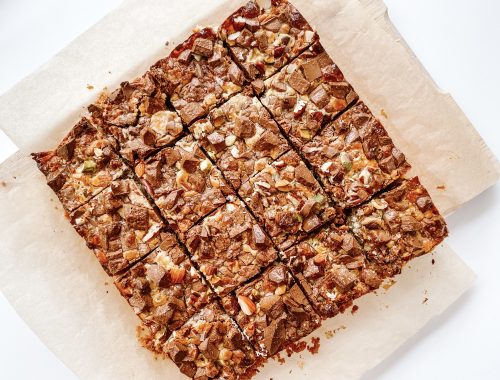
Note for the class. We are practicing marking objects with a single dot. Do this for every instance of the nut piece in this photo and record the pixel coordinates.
(246, 304)
(139, 169)
(177, 275)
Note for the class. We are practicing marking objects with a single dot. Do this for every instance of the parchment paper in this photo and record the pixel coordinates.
(56, 284)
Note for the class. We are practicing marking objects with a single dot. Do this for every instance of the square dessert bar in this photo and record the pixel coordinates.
(229, 247)
(137, 115)
(354, 157)
(272, 311)
(198, 75)
(333, 270)
(119, 225)
(165, 289)
(307, 93)
(183, 183)
(263, 36)
(398, 225)
(241, 137)
(288, 200)
(82, 166)
(210, 346)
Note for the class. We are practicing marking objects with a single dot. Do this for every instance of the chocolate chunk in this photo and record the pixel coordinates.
(340, 89)
(279, 85)
(297, 295)
(274, 336)
(319, 96)
(312, 70)
(423, 203)
(137, 302)
(298, 82)
(217, 141)
(163, 314)
(244, 128)
(311, 270)
(191, 112)
(157, 275)
(136, 217)
(343, 278)
(215, 59)
(171, 156)
(56, 180)
(119, 188)
(409, 223)
(189, 163)
(148, 136)
(371, 278)
(305, 211)
(235, 74)
(388, 164)
(273, 25)
(67, 149)
(266, 303)
(350, 244)
(177, 352)
(259, 237)
(188, 368)
(267, 141)
(310, 223)
(237, 230)
(203, 47)
(277, 274)
(304, 175)
(258, 86)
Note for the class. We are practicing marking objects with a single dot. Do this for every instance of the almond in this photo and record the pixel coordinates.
(320, 258)
(140, 169)
(283, 185)
(246, 304)
(177, 275)
(225, 354)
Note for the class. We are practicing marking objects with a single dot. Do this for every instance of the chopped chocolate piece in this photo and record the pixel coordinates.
(241, 137)
(204, 347)
(348, 156)
(307, 94)
(333, 270)
(272, 311)
(184, 184)
(82, 166)
(165, 289)
(120, 228)
(138, 117)
(394, 229)
(277, 195)
(227, 248)
(266, 38)
(195, 86)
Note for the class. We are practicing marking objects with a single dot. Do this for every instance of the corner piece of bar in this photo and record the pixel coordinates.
(210, 346)
(333, 269)
(82, 166)
(164, 289)
(398, 225)
(137, 116)
(198, 75)
(183, 184)
(355, 157)
(119, 225)
(288, 200)
(272, 310)
(265, 35)
(307, 94)
(229, 247)
(241, 137)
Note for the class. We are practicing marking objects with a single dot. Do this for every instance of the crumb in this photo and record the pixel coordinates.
(383, 113)
(388, 284)
(441, 187)
(278, 358)
(3, 184)
(354, 309)
(107, 291)
(300, 363)
(167, 43)
(425, 300)
(433, 261)
(109, 72)
(289, 372)
(314, 347)
(56, 208)
(90, 87)
(14, 177)
(330, 333)
(105, 283)
(295, 347)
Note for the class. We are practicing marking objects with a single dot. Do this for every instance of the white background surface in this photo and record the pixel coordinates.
(458, 41)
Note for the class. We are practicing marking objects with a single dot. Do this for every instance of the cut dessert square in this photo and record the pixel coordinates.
(333, 269)
(398, 225)
(82, 166)
(265, 35)
(164, 288)
(272, 311)
(288, 200)
(119, 225)
(241, 137)
(138, 117)
(183, 183)
(229, 247)
(210, 346)
(307, 93)
(198, 75)
(354, 157)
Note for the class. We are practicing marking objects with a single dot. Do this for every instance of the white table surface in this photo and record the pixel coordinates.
(458, 41)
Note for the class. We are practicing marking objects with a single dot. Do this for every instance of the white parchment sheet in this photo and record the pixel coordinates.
(58, 287)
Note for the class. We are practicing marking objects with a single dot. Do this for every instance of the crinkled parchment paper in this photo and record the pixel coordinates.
(57, 286)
